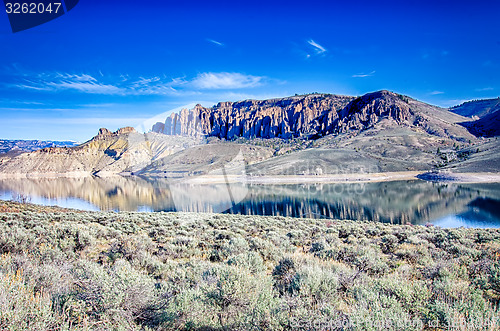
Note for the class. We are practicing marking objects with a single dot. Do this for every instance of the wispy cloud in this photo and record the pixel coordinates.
(363, 75)
(126, 85)
(484, 89)
(85, 83)
(317, 47)
(436, 92)
(226, 80)
(218, 43)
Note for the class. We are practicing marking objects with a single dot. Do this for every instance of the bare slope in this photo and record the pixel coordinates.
(107, 153)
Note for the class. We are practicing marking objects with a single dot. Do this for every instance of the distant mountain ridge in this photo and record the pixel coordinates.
(31, 145)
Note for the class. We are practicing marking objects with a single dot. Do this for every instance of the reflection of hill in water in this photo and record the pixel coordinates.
(398, 202)
(130, 194)
(113, 193)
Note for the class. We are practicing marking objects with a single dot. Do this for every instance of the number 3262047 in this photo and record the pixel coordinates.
(32, 8)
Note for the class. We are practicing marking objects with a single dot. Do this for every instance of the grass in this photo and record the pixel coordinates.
(69, 270)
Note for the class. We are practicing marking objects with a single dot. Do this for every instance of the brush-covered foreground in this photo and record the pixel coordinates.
(62, 270)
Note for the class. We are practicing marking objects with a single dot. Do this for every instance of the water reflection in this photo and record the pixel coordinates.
(415, 202)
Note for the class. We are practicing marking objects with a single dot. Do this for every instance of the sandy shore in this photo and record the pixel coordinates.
(477, 177)
(300, 179)
(349, 178)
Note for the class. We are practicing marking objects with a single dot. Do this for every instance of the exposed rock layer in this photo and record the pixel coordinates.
(310, 116)
(282, 118)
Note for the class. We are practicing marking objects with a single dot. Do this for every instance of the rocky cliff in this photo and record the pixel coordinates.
(283, 118)
(312, 115)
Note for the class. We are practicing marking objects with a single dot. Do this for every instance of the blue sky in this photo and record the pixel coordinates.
(117, 63)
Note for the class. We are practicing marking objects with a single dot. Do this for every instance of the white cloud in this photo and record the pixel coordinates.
(85, 87)
(436, 92)
(124, 85)
(484, 89)
(317, 47)
(226, 80)
(218, 43)
(85, 83)
(363, 75)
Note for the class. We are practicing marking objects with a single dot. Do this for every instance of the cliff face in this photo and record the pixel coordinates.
(282, 118)
(312, 116)
(366, 111)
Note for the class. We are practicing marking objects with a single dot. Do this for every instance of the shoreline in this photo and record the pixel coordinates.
(440, 176)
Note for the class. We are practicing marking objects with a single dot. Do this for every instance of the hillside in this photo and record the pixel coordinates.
(107, 153)
(477, 108)
(487, 126)
(485, 115)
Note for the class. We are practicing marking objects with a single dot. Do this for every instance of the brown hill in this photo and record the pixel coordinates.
(107, 153)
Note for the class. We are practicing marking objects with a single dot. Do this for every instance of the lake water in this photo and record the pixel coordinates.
(398, 202)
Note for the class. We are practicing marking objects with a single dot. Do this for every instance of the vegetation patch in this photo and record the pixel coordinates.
(69, 270)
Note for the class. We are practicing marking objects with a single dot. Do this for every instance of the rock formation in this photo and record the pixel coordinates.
(282, 118)
(107, 153)
(309, 116)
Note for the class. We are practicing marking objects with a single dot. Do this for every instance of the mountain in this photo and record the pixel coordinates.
(311, 116)
(315, 134)
(327, 134)
(17, 146)
(107, 153)
(477, 108)
(283, 118)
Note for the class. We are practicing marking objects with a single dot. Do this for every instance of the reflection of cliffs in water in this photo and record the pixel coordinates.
(397, 202)
(111, 193)
(130, 194)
